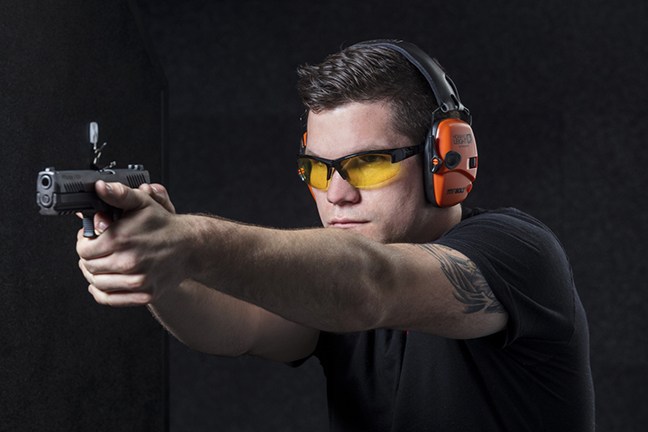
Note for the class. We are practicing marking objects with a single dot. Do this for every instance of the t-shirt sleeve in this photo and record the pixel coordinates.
(527, 270)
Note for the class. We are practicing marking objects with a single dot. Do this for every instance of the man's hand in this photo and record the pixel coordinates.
(138, 256)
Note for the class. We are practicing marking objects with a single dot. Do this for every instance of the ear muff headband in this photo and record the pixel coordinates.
(443, 88)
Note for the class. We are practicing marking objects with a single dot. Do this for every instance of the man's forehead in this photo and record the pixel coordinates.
(352, 128)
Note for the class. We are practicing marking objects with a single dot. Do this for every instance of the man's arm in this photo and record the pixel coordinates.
(327, 279)
(338, 281)
(212, 322)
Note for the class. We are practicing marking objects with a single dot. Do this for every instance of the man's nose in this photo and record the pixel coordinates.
(341, 192)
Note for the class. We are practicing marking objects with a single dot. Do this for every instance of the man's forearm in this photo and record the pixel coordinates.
(216, 323)
(206, 320)
(325, 279)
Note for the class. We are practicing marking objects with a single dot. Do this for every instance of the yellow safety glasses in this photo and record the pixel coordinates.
(364, 170)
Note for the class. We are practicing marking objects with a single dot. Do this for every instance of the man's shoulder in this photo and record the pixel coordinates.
(505, 235)
(480, 214)
(505, 219)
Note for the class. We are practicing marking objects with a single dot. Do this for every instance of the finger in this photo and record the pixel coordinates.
(118, 282)
(93, 248)
(119, 298)
(162, 196)
(118, 263)
(159, 193)
(101, 222)
(86, 274)
(120, 196)
(160, 189)
(146, 188)
(109, 282)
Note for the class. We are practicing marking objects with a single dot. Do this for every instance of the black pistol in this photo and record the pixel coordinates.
(69, 192)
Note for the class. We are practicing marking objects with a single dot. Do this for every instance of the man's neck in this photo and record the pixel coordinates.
(437, 222)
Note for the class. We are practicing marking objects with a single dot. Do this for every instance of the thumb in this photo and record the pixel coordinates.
(161, 195)
(120, 196)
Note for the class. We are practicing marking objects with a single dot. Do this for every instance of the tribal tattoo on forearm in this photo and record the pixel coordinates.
(470, 286)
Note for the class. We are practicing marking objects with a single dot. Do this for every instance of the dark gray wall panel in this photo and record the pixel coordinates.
(67, 363)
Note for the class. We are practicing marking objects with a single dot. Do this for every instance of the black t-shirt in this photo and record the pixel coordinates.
(533, 376)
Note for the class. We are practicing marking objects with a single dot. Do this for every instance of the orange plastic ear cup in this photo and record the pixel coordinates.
(457, 148)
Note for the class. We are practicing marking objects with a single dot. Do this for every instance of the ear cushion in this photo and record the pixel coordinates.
(450, 162)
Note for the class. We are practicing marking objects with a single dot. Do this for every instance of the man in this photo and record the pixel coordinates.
(424, 316)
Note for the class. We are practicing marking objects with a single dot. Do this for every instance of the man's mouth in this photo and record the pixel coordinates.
(346, 222)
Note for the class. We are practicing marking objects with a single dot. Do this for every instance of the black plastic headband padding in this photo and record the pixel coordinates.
(444, 90)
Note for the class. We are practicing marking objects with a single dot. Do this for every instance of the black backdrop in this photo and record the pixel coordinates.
(558, 90)
(559, 94)
(66, 363)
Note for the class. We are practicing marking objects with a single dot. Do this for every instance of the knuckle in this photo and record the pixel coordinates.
(136, 282)
(118, 188)
(128, 264)
(118, 239)
(92, 279)
(142, 298)
(86, 267)
(80, 249)
(98, 295)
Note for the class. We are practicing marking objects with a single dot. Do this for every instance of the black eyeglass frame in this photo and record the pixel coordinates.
(397, 155)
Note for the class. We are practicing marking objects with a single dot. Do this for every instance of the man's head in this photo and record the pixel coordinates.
(370, 98)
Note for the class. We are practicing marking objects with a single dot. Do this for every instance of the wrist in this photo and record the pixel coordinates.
(203, 241)
(192, 243)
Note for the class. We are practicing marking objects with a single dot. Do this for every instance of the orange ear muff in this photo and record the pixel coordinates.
(451, 162)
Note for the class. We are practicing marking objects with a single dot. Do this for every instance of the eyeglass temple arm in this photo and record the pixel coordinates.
(406, 152)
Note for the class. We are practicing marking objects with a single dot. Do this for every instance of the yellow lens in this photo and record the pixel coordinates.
(370, 170)
(313, 172)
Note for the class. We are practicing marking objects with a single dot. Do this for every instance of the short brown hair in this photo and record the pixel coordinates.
(370, 74)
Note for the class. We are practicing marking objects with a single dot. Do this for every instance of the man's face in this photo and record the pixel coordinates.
(394, 212)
